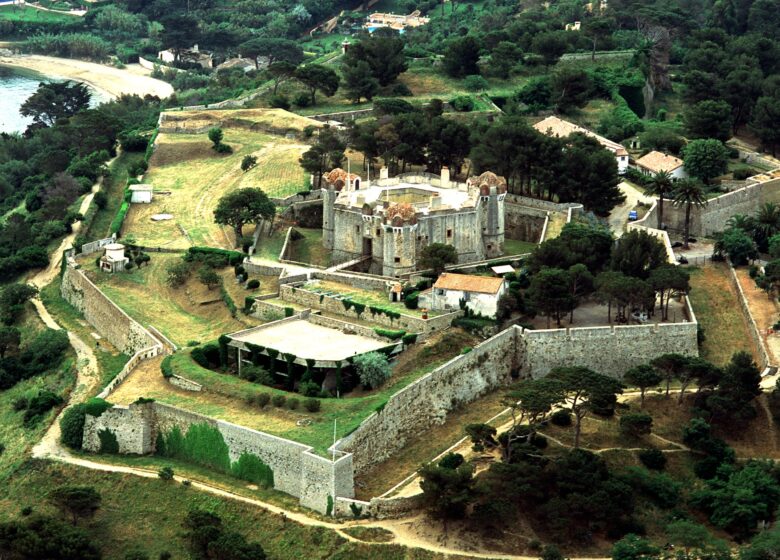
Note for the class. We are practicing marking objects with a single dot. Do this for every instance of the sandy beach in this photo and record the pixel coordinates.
(111, 81)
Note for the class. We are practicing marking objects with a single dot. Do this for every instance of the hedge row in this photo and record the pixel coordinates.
(229, 257)
(116, 223)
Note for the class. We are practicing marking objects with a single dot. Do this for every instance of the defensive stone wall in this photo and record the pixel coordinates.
(356, 280)
(345, 326)
(765, 358)
(523, 222)
(609, 350)
(126, 334)
(427, 401)
(711, 218)
(315, 300)
(297, 469)
(545, 205)
(184, 383)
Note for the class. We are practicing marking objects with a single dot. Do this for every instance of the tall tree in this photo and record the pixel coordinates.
(709, 119)
(76, 501)
(660, 185)
(326, 154)
(383, 52)
(358, 81)
(180, 31)
(461, 56)
(688, 193)
(638, 253)
(531, 402)
(318, 77)
(56, 100)
(550, 293)
(706, 159)
(765, 122)
(275, 49)
(644, 377)
(582, 385)
(280, 71)
(666, 279)
(241, 207)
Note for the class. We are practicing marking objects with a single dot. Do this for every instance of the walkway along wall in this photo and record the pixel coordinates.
(297, 469)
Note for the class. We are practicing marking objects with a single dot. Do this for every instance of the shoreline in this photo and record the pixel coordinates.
(108, 81)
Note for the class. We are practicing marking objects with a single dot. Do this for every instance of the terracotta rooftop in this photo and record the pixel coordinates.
(657, 161)
(469, 283)
(554, 126)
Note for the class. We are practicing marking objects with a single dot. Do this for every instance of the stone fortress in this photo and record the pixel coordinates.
(389, 222)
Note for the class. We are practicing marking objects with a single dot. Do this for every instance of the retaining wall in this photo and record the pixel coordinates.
(297, 470)
(765, 358)
(126, 334)
(315, 300)
(427, 401)
(608, 350)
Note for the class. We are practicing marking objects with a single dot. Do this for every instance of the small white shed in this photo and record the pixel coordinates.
(140, 194)
(480, 293)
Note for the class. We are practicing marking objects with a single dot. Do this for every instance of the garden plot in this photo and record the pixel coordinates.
(374, 298)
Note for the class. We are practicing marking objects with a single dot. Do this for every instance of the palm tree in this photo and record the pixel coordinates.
(689, 193)
(766, 223)
(741, 221)
(660, 185)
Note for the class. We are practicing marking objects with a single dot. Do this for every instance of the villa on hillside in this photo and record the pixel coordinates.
(480, 294)
(554, 126)
(655, 162)
(193, 55)
(397, 22)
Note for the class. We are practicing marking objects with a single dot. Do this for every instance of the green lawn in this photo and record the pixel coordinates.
(18, 439)
(517, 247)
(25, 13)
(146, 514)
(348, 412)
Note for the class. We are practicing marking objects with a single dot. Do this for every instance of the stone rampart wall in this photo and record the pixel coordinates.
(712, 218)
(345, 327)
(297, 470)
(109, 320)
(262, 269)
(131, 364)
(608, 350)
(540, 204)
(765, 358)
(523, 222)
(427, 401)
(356, 280)
(314, 300)
(185, 384)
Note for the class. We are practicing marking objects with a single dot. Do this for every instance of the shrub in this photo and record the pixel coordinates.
(302, 100)
(475, 82)
(411, 300)
(410, 338)
(253, 284)
(372, 368)
(293, 403)
(72, 426)
(280, 102)
(635, 425)
(96, 406)
(108, 441)
(309, 389)
(165, 473)
(742, 172)
(463, 104)
(2, 449)
(561, 418)
(653, 459)
(279, 400)
(239, 270)
(391, 334)
(166, 367)
(263, 399)
(199, 357)
(312, 405)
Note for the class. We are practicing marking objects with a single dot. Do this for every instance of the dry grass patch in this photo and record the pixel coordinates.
(181, 314)
(275, 121)
(195, 177)
(715, 304)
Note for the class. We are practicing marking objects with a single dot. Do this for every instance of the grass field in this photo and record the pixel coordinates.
(714, 302)
(18, 439)
(225, 395)
(181, 314)
(113, 186)
(517, 247)
(25, 13)
(146, 514)
(196, 177)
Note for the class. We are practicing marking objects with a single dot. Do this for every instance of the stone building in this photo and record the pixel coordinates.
(114, 259)
(480, 294)
(388, 222)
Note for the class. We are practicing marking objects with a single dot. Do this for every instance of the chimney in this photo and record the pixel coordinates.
(445, 177)
(383, 172)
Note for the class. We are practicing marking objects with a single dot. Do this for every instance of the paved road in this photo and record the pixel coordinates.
(619, 216)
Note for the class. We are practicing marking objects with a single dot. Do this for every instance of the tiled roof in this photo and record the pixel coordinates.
(561, 128)
(469, 283)
(656, 161)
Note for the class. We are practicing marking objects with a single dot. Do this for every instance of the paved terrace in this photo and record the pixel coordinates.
(306, 340)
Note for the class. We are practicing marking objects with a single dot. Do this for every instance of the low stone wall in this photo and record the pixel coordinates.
(267, 311)
(126, 334)
(356, 280)
(95, 246)
(427, 401)
(345, 327)
(310, 196)
(765, 358)
(648, 224)
(185, 384)
(300, 296)
(608, 350)
(131, 364)
(297, 470)
(541, 204)
(262, 269)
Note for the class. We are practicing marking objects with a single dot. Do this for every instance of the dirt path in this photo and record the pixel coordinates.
(112, 82)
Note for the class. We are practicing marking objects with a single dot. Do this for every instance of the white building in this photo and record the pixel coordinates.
(114, 260)
(481, 293)
(140, 194)
(653, 162)
(553, 126)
